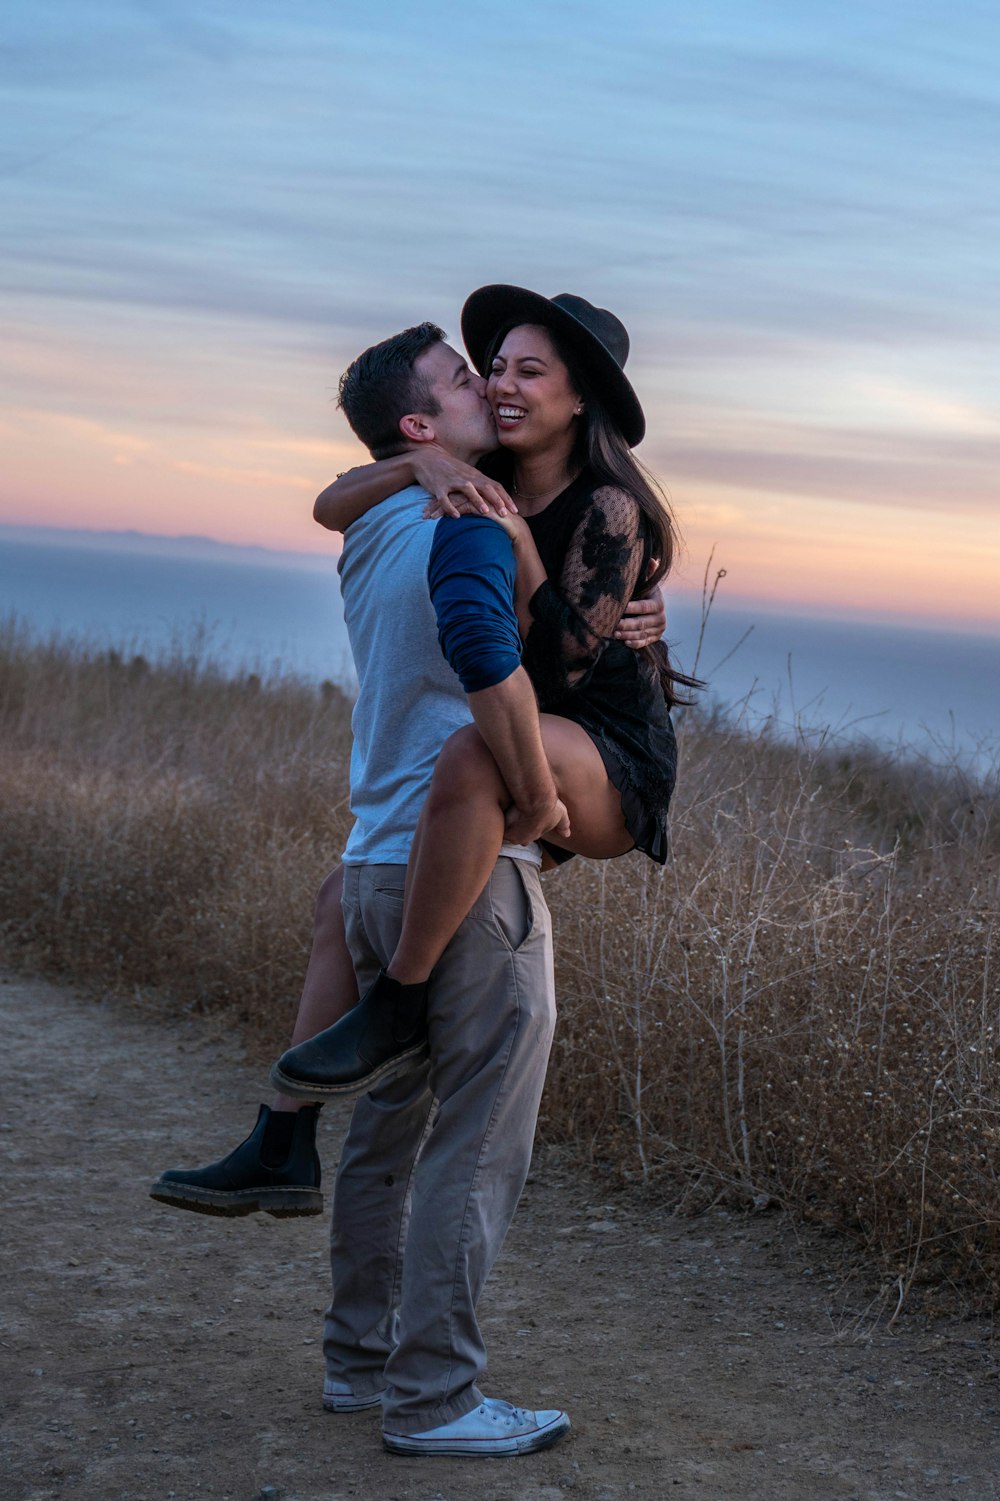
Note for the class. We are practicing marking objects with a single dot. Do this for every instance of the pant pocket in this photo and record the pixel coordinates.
(393, 895)
(512, 908)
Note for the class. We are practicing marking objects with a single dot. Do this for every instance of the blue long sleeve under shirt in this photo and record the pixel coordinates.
(471, 574)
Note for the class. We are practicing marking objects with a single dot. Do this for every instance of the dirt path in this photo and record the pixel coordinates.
(148, 1353)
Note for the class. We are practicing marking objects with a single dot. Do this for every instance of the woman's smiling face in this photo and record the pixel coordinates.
(529, 388)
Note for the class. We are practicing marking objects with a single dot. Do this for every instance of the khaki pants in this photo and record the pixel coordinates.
(434, 1163)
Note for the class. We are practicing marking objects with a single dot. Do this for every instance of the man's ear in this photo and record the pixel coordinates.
(416, 428)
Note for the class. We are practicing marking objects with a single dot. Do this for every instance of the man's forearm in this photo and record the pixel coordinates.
(471, 577)
(506, 716)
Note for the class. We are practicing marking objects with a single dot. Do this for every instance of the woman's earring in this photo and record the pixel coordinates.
(579, 410)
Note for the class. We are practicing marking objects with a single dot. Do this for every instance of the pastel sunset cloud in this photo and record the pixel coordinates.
(207, 215)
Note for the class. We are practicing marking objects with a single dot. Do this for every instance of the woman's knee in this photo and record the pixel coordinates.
(328, 898)
(465, 766)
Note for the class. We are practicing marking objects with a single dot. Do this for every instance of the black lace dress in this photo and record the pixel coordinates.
(596, 546)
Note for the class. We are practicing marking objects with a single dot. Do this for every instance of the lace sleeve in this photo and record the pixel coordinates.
(573, 618)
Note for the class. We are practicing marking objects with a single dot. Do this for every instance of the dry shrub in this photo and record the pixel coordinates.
(166, 826)
(801, 1007)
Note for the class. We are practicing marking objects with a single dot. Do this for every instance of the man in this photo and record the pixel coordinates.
(434, 1162)
(491, 1005)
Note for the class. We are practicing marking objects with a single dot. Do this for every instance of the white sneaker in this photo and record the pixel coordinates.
(495, 1427)
(339, 1397)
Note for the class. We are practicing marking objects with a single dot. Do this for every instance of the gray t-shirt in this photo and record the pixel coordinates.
(409, 699)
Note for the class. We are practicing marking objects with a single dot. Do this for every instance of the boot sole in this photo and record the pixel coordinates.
(282, 1203)
(307, 1089)
(490, 1448)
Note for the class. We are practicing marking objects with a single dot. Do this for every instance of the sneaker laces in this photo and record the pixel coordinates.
(505, 1413)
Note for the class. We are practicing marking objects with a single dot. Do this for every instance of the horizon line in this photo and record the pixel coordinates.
(688, 588)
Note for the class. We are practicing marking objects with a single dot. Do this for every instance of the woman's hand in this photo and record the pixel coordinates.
(456, 489)
(516, 528)
(643, 622)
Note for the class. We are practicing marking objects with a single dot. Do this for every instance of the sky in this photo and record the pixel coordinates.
(207, 210)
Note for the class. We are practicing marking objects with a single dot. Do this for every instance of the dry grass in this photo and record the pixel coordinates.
(166, 826)
(803, 1007)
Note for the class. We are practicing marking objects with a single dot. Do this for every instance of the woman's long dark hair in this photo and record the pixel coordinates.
(602, 450)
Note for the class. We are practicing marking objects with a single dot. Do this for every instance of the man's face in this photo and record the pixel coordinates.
(464, 424)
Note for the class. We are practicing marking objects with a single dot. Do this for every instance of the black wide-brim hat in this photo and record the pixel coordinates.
(597, 339)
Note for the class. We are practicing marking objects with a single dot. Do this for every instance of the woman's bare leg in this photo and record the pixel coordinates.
(461, 830)
(458, 839)
(330, 987)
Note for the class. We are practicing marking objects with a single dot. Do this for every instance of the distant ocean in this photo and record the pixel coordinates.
(936, 691)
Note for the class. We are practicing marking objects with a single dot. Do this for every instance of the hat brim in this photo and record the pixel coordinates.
(496, 307)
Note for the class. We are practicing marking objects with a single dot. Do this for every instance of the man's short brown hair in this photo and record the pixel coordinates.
(382, 385)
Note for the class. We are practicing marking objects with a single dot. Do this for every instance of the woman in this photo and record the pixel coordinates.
(589, 534)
